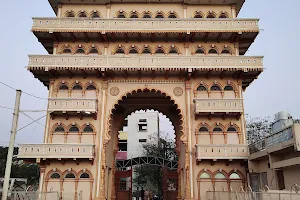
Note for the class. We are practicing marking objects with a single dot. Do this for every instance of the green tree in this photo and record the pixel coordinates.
(19, 169)
(257, 128)
(160, 147)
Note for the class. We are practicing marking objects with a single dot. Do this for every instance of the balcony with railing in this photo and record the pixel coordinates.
(144, 25)
(222, 151)
(218, 106)
(56, 151)
(72, 105)
(115, 62)
(276, 142)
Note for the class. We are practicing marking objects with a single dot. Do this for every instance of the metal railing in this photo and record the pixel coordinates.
(248, 195)
(23, 195)
(257, 146)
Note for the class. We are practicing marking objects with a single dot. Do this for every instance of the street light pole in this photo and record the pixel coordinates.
(13, 133)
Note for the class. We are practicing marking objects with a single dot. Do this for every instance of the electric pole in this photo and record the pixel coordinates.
(13, 133)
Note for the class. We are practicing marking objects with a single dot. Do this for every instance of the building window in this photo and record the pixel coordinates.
(122, 145)
(142, 140)
(55, 176)
(142, 124)
(70, 175)
(84, 175)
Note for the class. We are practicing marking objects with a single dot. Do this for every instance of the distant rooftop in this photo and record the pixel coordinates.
(239, 3)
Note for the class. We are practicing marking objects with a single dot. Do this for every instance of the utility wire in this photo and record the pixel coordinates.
(23, 91)
(31, 123)
(4, 107)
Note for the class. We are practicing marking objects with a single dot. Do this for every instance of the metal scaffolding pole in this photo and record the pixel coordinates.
(11, 145)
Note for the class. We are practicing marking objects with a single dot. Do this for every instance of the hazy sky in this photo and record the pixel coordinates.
(276, 89)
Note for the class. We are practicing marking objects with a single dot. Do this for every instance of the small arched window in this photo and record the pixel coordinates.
(219, 175)
(55, 175)
(133, 51)
(63, 86)
(67, 51)
(59, 128)
(70, 14)
(80, 50)
(159, 50)
(84, 175)
(70, 175)
(201, 88)
(215, 88)
(93, 50)
(234, 176)
(95, 14)
(120, 50)
(226, 51)
(223, 15)
(203, 129)
(212, 51)
(172, 15)
(77, 87)
(198, 15)
(217, 129)
(231, 129)
(90, 87)
(134, 15)
(74, 129)
(147, 15)
(88, 129)
(121, 14)
(205, 175)
(146, 50)
(159, 15)
(82, 14)
(199, 51)
(228, 88)
(211, 15)
(173, 50)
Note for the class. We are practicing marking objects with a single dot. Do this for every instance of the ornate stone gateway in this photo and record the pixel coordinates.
(107, 59)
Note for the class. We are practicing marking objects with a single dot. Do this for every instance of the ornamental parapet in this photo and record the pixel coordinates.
(222, 151)
(147, 63)
(72, 105)
(218, 105)
(143, 25)
(40, 152)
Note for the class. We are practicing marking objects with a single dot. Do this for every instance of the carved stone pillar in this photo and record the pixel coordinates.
(76, 190)
(179, 182)
(103, 168)
(42, 174)
(233, 10)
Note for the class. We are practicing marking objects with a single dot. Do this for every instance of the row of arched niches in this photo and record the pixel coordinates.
(146, 14)
(78, 89)
(70, 183)
(147, 49)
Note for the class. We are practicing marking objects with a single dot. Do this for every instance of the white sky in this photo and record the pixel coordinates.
(276, 89)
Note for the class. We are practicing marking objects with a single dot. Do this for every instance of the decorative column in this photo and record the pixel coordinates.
(59, 14)
(51, 84)
(184, 10)
(233, 10)
(76, 189)
(105, 48)
(55, 46)
(100, 192)
(236, 48)
(187, 175)
(189, 150)
(179, 181)
(186, 48)
(108, 7)
(41, 183)
(243, 121)
(103, 169)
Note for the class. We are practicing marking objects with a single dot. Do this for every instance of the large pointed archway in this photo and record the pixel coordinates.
(136, 100)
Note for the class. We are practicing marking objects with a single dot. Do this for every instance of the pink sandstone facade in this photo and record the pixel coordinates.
(109, 58)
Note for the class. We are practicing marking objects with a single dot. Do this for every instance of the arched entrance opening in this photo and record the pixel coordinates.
(143, 100)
